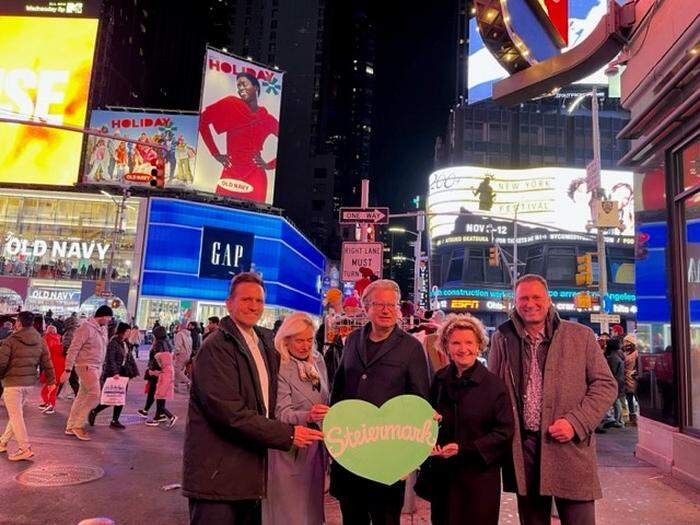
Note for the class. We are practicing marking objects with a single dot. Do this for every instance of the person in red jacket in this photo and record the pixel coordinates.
(246, 125)
(48, 396)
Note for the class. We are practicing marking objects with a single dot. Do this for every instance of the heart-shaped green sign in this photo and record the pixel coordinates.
(382, 444)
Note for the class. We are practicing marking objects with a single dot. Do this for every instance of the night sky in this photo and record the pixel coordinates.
(414, 90)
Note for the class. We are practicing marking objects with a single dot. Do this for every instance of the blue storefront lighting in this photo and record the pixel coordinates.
(290, 265)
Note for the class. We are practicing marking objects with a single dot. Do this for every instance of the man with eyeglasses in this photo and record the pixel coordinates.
(380, 362)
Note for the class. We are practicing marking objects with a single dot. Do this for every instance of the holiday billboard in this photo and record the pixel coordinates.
(459, 198)
(45, 69)
(238, 128)
(112, 161)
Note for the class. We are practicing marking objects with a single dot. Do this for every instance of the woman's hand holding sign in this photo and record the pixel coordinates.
(317, 413)
(305, 436)
(447, 451)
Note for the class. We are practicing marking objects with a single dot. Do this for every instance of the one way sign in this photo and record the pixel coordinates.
(364, 215)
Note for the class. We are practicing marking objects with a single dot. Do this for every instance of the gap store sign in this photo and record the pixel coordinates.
(193, 250)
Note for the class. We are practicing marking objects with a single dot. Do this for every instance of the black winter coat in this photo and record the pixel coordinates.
(228, 432)
(399, 367)
(477, 415)
(114, 357)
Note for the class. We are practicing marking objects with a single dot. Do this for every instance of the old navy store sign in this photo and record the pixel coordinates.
(193, 250)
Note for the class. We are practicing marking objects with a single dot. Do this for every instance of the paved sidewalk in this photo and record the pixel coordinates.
(140, 460)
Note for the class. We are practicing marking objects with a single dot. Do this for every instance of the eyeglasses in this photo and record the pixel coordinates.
(382, 306)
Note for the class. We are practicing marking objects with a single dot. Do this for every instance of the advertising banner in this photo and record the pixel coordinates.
(461, 196)
(238, 128)
(110, 161)
(45, 68)
(484, 70)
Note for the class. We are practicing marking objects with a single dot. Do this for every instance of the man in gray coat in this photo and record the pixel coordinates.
(560, 387)
(20, 355)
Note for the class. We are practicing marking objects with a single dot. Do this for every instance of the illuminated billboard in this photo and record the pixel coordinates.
(483, 70)
(45, 68)
(111, 161)
(238, 128)
(464, 195)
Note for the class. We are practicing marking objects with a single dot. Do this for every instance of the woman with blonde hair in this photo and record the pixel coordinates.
(475, 431)
(296, 478)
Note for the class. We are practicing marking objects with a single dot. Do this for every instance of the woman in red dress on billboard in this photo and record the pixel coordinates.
(247, 125)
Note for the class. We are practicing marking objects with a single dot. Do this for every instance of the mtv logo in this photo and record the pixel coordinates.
(74, 8)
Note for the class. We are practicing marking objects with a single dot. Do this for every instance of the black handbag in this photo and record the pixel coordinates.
(428, 479)
(425, 483)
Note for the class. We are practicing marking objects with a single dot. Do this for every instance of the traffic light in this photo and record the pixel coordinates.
(583, 300)
(494, 256)
(584, 277)
(641, 251)
(154, 178)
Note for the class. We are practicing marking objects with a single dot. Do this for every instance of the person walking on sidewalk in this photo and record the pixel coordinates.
(164, 388)
(70, 326)
(20, 355)
(135, 339)
(629, 347)
(87, 353)
(160, 344)
(559, 383)
(118, 363)
(231, 417)
(183, 351)
(58, 360)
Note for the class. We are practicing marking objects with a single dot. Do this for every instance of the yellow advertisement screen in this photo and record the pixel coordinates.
(45, 67)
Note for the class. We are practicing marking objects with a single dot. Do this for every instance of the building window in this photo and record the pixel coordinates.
(475, 268)
(690, 165)
(455, 266)
(561, 265)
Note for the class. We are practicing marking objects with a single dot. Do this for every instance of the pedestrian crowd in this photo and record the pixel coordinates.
(517, 411)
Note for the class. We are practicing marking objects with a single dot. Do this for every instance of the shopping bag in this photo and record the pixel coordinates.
(114, 391)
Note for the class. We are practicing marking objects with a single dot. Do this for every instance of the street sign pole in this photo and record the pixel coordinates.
(600, 236)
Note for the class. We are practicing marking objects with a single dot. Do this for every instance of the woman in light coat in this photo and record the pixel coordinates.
(296, 478)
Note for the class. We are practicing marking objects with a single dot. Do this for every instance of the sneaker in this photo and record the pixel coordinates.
(49, 410)
(81, 434)
(152, 423)
(3, 447)
(117, 424)
(142, 413)
(43, 406)
(160, 419)
(91, 417)
(21, 455)
(68, 432)
(172, 422)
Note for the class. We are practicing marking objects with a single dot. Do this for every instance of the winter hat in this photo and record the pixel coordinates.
(351, 302)
(630, 339)
(333, 295)
(104, 311)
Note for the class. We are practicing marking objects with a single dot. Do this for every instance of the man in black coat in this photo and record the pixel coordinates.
(231, 421)
(379, 362)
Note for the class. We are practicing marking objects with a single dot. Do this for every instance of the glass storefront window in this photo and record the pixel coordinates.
(53, 235)
(656, 380)
(691, 176)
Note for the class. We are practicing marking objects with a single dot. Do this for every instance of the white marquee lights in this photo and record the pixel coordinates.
(541, 196)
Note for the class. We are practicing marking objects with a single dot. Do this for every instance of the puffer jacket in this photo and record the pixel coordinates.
(69, 327)
(20, 355)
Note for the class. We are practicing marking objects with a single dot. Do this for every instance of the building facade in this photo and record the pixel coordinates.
(661, 89)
